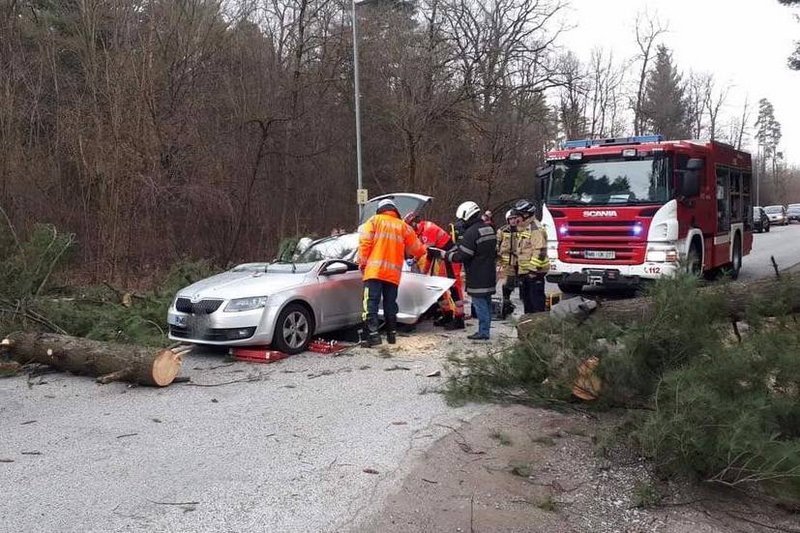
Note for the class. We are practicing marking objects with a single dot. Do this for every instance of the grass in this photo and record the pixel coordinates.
(645, 494)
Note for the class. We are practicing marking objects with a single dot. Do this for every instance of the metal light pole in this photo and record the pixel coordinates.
(358, 108)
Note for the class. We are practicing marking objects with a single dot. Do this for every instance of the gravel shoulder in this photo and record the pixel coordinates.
(519, 469)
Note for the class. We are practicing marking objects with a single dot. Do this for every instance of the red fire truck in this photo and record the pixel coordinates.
(622, 211)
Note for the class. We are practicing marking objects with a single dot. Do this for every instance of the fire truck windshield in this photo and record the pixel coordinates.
(606, 181)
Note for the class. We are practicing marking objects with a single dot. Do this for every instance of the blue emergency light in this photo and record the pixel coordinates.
(587, 143)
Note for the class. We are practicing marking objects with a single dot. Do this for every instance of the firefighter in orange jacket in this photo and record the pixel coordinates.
(451, 304)
(384, 242)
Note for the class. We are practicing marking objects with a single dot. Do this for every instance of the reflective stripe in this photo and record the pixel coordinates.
(480, 291)
(383, 264)
(364, 308)
(487, 230)
(486, 238)
(390, 236)
(465, 250)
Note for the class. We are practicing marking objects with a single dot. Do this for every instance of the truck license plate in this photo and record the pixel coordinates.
(598, 254)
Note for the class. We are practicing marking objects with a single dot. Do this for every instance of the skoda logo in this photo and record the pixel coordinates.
(600, 213)
(195, 298)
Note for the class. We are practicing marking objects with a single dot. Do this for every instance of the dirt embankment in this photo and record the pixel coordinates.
(531, 470)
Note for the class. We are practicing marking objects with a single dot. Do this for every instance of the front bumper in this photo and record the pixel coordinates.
(609, 276)
(223, 329)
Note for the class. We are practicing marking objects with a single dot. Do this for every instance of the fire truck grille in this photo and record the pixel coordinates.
(203, 307)
(603, 229)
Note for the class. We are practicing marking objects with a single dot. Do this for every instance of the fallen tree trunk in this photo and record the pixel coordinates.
(734, 299)
(106, 361)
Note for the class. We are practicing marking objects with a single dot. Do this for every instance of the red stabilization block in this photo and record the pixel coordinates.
(257, 355)
(326, 347)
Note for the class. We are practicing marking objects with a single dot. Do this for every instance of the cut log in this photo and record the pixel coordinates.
(735, 299)
(106, 361)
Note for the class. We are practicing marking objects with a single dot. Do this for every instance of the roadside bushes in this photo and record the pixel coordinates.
(720, 403)
(28, 301)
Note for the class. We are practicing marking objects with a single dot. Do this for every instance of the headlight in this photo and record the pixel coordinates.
(246, 304)
(669, 255)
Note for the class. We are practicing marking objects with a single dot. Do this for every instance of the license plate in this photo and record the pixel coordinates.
(596, 254)
(177, 320)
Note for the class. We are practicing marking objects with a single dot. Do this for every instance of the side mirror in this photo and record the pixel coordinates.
(334, 269)
(689, 184)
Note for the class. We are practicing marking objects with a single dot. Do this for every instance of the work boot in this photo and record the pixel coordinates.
(373, 339)
(391, 330)
(456, 323)
(443, 320)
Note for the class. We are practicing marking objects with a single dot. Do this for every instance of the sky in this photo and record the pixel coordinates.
(743, 43)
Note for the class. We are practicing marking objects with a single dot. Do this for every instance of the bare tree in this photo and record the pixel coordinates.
(648, 30)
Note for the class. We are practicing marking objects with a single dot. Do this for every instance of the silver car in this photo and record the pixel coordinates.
(776, 214)
(286, 304)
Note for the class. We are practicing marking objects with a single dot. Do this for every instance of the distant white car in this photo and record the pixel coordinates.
(776, 214)
(286, 304)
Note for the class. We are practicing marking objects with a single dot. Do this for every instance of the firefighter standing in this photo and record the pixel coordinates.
(531, 256)
(383, 244)
(451, 304)
(477, 250)
(508, 239)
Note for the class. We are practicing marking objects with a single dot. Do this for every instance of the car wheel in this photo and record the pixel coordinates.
(293, 329)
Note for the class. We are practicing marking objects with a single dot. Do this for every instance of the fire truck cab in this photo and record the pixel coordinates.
(619, 212)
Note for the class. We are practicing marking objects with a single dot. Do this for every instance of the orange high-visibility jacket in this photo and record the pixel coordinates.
(383, 244)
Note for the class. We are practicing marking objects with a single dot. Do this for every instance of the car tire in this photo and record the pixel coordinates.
(767, 230)
(293, 329)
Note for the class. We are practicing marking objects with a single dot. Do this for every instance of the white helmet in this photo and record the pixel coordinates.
(509, 214)
(467, 210)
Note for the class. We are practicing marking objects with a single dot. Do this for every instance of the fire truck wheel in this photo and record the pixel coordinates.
(736, 260)
(694, 261)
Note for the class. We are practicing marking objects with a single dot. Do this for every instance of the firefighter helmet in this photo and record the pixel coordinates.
(467, 211)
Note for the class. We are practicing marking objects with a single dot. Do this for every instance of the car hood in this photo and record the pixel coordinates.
(242, 284)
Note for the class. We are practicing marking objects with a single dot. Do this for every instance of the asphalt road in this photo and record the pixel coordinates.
(311, 443)
(782, 242)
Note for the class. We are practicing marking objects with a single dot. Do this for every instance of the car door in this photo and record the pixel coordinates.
(417, 292)
(339, 299)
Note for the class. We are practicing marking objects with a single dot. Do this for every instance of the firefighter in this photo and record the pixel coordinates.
(532, 261)
(383, 244)
(451, 304)
(508, 239)
(477, 250)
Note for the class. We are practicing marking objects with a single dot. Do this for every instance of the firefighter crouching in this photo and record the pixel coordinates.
(523, 257)
(432, 236)
(383, 244)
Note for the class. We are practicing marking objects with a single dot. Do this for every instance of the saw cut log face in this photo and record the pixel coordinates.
(285, 304)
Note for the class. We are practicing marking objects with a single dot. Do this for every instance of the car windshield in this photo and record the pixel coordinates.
(341, 247)
(773, 209)
(609, 181)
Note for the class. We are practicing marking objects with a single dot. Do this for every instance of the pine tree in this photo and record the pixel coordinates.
(794, 59)
(665, 107)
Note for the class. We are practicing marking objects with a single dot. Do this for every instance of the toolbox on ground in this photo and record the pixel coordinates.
(257, 354)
